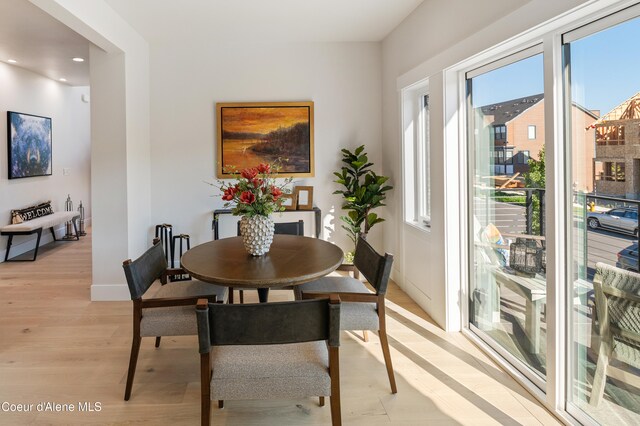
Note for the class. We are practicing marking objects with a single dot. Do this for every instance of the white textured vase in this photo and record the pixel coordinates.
(257, 234)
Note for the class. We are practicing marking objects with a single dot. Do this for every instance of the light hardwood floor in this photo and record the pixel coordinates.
(58, 347)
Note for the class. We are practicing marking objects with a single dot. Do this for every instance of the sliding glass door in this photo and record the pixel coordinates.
(573, 333)
(602, 63)
(506, 216)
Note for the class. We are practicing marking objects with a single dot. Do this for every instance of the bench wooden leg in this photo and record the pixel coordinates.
(75, 228)
(35, 253)
(10, 242)
(6, 255)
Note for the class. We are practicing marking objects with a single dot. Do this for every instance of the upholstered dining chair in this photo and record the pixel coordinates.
(285, 228)
(361, 309)
(170, 312)
(269, 350)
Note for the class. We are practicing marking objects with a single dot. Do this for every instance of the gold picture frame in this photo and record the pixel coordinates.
(304, 197)
(250, 133)
(289, 201)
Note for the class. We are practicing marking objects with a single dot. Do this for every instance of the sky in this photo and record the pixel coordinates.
(605, 71)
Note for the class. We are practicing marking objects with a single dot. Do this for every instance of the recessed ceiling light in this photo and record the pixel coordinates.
(78, 59)
(12, 61)
(62, 79)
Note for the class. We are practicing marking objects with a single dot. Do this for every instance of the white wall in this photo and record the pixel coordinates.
(24, 91)
(120, 120)
(437, 35)
(343, 80)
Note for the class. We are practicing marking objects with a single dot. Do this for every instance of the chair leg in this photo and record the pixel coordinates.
(600, 376)
(158, 341)
(321, 401)
(241, 296)
(334, 399)
(205, 415)
(133, 360)
(365, 335)
(205, 389)
(384, 342)
(221, 403)
(230, 299)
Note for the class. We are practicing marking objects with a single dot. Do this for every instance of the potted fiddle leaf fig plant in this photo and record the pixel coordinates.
(363, 191)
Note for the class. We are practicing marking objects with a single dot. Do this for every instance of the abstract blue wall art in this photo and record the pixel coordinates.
(29, 145)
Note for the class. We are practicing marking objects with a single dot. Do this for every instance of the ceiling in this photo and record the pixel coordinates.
(41, 44)
(264, 20)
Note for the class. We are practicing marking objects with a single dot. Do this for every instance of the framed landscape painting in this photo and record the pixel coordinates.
(29, 145)
(252, 133)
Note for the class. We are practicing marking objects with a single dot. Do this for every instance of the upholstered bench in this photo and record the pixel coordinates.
(35, 226)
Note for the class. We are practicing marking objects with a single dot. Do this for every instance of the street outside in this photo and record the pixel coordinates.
(602, 245)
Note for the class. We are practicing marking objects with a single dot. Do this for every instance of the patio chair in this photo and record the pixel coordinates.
(170, 311)
(617, 303)
(283, 228)
(361, 309)
(269, 350)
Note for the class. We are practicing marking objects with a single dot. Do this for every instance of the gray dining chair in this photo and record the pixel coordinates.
(361, 309)
(170, 312)
(269, 350)
(283, 228)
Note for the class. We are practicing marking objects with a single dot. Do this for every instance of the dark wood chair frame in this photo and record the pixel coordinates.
(376, 269)
(223, 333)
(139, 304)
(283, 228)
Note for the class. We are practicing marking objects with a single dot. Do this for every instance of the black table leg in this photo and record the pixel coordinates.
(263, 295)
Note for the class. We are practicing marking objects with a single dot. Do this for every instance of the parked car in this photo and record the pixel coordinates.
(624, 219)
(628, 258)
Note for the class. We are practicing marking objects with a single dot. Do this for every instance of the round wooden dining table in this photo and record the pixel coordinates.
(291, 260)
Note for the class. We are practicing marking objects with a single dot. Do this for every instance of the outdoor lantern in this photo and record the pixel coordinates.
(525, 256)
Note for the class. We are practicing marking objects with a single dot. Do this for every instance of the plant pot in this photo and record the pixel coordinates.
(257, 234)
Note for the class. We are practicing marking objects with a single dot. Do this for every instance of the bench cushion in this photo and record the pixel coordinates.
(44, 222)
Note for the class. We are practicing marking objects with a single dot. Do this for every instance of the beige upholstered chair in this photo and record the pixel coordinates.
(171, 310)
(361, 309)
(269, 350)
(617, 306)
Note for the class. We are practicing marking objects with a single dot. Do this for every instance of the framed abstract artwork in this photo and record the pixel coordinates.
(29, 145)
(265, 132)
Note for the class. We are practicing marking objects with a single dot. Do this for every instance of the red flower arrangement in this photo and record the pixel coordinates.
(256, 191)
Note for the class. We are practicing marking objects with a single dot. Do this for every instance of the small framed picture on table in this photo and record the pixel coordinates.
(304, 195)
(289, 201)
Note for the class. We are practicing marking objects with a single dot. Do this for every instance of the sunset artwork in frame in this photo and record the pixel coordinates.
(251, 133)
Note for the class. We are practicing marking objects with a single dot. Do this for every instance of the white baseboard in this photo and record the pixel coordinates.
(110, 292)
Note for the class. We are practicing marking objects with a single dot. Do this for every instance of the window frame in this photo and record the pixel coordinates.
(531, 127)
(416, 143)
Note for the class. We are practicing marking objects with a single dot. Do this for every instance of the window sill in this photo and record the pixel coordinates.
(426, 229)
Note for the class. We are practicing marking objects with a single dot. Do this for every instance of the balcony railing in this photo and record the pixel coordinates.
(520, 211)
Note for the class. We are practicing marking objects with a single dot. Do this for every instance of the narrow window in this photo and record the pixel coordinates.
(416, 155)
